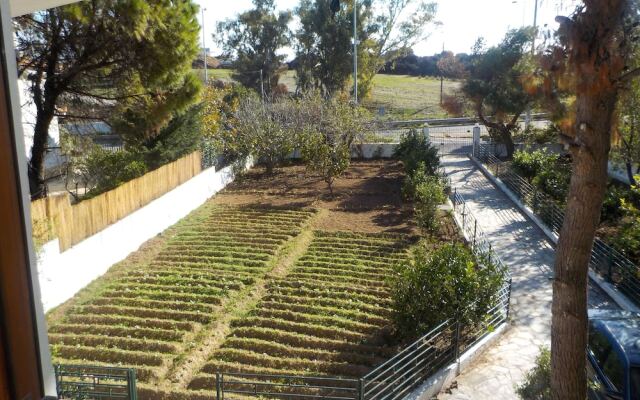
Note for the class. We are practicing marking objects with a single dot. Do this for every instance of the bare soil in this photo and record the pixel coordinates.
(366, 198)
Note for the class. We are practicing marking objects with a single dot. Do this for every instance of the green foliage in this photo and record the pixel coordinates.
(328, 129)
(264, 132)
(429, 194)
(255, 38)
(537, 382)
(549, 172)
(324, 40)
(127, 62)
(436, 285)
(535, 135)
(180, 137)
(415, 148)
(627, 239)
(101, 170)
(496, 84)
(626, 149)
(220, 104)
(323, 46)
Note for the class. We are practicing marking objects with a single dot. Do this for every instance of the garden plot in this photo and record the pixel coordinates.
(143, 316)
(330, 315)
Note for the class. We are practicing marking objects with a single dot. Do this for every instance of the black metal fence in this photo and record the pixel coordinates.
(82, 382)
(287, 386)
(410, 367)
(446, 342)
(605, 260)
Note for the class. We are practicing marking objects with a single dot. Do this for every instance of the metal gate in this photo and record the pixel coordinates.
(450, 140)
(84, 382)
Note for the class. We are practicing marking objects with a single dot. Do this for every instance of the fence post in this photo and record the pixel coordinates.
(425, 131)
(489, 253)
(457, 341)
(218, 387)
(609, 265)
(131, 378)
(509, 300)
(476, 140)
(475, 231)
(360, 389)
(464, 215)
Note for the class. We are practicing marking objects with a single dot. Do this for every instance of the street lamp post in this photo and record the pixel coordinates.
(204, 49)
(355, 51)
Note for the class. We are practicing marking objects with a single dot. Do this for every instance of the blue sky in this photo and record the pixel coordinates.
(463, 21)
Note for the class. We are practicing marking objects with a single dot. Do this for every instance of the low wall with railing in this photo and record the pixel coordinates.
(608, 263)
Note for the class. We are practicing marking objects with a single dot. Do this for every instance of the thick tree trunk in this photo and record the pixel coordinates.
(38, 152)
(505, 136)
(586, 193)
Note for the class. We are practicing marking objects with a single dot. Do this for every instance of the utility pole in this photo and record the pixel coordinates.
(204, 49)
(355, 51)
(441, 78)
(262, 85)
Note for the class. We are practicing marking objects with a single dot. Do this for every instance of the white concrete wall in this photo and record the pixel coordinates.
(366, 150)
(54, 157)
(62, 275)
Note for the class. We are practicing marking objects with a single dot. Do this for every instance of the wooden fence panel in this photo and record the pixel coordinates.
(73, 223)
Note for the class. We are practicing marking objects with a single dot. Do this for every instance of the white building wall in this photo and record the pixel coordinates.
(54, 157)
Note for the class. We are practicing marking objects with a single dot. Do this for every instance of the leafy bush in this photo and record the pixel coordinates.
(439, 284)
(530, 164)
(329, 128)
(429, 194)
(412, 180)
(101, 170)
(537, 382)
(628, 237)
(262, 130)
(180, 137)
(415, 148)
(549, 172)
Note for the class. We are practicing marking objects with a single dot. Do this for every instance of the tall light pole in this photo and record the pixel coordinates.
(355, 51)
(204, 49)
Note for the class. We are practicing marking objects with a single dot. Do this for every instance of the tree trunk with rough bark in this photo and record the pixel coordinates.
(582, 215)
(38, 153)
(594, 50)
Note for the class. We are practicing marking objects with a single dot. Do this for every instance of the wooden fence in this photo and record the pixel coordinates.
(73, 223)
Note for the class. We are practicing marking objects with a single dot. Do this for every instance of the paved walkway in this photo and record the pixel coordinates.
(526, 251)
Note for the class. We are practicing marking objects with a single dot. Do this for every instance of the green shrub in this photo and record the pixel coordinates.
(101, 170)
(429, 194)
(537, 382)
(412, 180)
(435, 285)
(628, 237)
(414, 148)
(530, 164)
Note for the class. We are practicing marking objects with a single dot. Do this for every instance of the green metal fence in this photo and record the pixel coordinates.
(84, 382)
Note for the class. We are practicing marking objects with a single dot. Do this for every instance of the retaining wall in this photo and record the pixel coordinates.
(63, 274)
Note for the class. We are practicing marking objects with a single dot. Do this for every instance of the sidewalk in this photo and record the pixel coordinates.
(529, 256)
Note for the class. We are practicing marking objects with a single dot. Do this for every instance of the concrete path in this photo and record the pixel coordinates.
(529, 256)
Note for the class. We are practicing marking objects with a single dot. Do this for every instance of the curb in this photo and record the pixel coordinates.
(619, 298)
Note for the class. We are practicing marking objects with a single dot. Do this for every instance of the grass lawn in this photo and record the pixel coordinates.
(401, 96)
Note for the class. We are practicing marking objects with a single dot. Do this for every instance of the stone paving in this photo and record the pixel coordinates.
(529, 256)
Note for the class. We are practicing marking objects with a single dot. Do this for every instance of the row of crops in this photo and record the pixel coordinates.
(327, 316)
(145, 315)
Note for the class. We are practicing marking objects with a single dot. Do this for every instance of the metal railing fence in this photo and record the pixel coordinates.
(393, 379)
(605, 260)
(287, 386)
(83, 382)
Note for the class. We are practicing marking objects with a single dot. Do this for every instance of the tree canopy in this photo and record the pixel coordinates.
(254, 38)
(495, 86)
(386, 30)
(126, 62)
